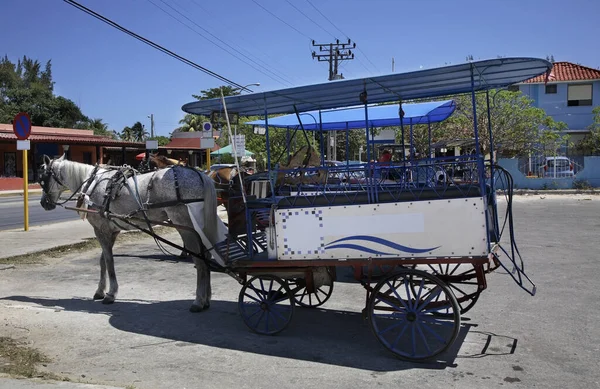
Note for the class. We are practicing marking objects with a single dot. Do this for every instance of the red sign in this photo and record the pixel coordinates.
(22, 126)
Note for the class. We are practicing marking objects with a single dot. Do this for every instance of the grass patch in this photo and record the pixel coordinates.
(22, 361)
(86, 245)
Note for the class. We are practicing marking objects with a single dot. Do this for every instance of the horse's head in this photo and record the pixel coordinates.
(51, 182)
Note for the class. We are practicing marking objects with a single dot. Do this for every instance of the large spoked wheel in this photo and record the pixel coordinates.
(266, 304)
(307, 299)
(403, 316)
(461, 278)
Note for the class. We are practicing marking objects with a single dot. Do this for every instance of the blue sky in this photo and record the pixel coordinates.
(119, 79)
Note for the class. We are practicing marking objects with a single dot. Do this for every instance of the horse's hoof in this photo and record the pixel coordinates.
(98, 296)
(196, 308)
(207, 305)
(108, 299)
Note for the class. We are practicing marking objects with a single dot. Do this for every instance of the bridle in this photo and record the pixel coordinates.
(47, 184)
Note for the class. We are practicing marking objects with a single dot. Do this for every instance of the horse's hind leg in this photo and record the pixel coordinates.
(203, 290)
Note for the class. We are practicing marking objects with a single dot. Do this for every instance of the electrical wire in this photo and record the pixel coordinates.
(258, 69)
(281, 20)
(311, 20)
(154, 45)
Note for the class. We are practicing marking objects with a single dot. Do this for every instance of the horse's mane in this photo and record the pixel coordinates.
(74, 173)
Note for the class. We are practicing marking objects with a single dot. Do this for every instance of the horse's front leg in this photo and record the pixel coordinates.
(107, 242)
(99, 295)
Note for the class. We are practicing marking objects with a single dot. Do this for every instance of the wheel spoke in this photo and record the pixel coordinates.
(432, 332)
(431, 296)
(423, 337)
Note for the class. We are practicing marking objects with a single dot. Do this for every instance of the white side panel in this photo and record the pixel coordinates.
(436, 228)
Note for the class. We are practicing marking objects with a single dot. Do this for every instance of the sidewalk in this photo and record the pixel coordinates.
(49, 236)
(44, 237)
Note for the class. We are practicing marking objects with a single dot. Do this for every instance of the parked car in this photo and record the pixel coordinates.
(557, 167)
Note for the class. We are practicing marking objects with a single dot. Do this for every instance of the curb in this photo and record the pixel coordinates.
(521, 192)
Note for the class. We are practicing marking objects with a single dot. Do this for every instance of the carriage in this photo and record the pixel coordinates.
(390, 227)
(419, 244)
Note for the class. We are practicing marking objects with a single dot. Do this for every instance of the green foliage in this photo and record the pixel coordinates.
(25, 87)
(590, 144)
(162, 140)
(135, 133)
(214, 93)
(581, 184)
(99, 128)
(517, 126)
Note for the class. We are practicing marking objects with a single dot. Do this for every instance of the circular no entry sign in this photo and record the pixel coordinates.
(22, 126)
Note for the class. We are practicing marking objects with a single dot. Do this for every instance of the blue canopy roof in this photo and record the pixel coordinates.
(379, 116)
(437, 82)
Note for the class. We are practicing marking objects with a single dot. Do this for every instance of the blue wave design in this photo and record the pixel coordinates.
(381, 241)
(357, 247)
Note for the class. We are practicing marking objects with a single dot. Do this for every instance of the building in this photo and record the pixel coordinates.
(190, 147)
(79, 145)
(568, 94)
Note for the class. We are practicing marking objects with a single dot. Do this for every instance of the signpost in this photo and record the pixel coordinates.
(22, 130)
(207, 129)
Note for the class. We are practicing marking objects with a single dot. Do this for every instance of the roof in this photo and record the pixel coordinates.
(69, 136)
(183, 143)
(228, 150)
(567, 71)
(444, 81)
(379, 116)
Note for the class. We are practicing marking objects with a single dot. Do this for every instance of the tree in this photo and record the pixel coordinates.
(99, 128)
(138, 132)
(191, 123)
(25, 87)
(517, 127)
(214, 93)
(162, 140)
(127, 134)
(590, 144)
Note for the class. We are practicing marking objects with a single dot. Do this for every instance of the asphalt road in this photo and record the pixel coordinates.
(148, 339)
(11, 213)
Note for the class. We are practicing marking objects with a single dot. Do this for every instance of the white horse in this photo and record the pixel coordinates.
(163, 194)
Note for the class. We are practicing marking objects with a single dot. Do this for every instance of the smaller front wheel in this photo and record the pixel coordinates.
(266, 304)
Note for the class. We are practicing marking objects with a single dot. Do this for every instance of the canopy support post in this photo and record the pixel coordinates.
(480, 165)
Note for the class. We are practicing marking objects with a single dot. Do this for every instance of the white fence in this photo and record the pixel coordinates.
(558, 166)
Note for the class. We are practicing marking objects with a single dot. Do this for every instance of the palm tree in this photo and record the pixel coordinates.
(191, 123)
(127, 134)
(138, 132)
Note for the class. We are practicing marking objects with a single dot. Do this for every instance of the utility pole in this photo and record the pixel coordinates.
(334, 53)
(151, 125)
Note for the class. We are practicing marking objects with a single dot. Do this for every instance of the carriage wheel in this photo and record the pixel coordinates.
(266, 304)
(402, 314)
(306, 299)
(462, 280)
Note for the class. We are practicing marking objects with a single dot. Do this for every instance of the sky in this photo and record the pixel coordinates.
(121, 80)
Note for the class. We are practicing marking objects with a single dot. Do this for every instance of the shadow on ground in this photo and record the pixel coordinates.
(319, 335)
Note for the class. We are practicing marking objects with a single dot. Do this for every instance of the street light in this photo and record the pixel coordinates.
(245, 87)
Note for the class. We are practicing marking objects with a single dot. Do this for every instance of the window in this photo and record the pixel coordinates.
(551, 89)
(513, 88)
(580, 94)
(87, 157)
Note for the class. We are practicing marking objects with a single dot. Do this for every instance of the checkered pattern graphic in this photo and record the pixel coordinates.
(287, 215)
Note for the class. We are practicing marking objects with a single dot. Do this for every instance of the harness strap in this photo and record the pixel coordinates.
(177, 192)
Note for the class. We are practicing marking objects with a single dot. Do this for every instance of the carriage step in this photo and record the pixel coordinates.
(232, 250)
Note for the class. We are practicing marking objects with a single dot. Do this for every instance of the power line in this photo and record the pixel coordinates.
(246, 43)
(312, 21)
(220, 40)
(154, 45)
(342, 32)
(281, 20)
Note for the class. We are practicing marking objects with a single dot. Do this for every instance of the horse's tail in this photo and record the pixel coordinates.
(210, 208)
